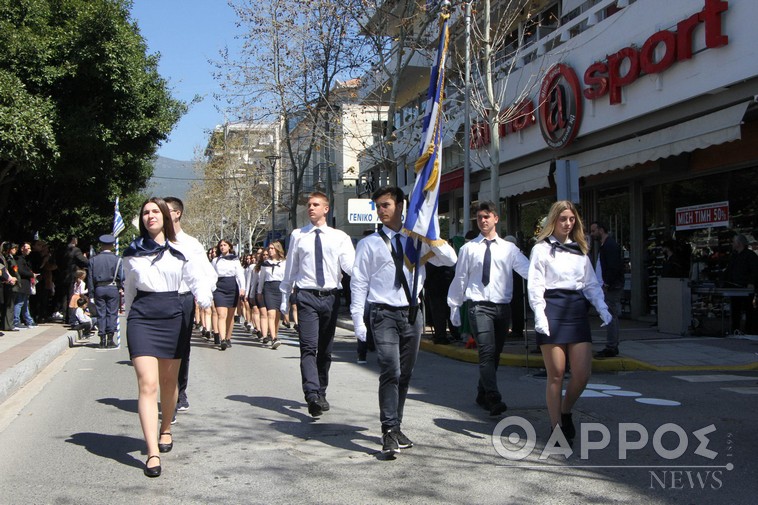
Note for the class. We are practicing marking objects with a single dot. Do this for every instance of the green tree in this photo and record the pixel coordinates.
(82, 111)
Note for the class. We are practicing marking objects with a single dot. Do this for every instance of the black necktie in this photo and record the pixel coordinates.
(319, 260)
(487, 263)
(398, 257)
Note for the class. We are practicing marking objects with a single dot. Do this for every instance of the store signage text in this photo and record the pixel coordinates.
(707, 215)
(607, 77)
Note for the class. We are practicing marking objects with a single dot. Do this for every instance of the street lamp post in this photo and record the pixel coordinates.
(272, 159)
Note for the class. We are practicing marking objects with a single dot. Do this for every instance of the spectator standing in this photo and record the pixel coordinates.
(609, 269)
(484, 279)
(742, 271)
(382, 278)
(7, 285)
(25, 277)
(318, 254)
(72, 260)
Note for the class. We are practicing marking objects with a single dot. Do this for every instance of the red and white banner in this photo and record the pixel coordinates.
(707, 215)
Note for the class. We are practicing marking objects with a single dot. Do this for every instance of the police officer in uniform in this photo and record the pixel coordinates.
(106, 276)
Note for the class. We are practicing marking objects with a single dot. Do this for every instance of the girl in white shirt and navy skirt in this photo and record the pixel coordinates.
(562, 285)
(271, 275)
(153, 272)
(229, 288)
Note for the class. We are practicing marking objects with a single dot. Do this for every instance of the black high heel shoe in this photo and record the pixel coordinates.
(152, 471)
(166, 447)
(223, 345)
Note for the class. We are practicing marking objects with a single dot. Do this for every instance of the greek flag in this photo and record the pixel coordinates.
(421, 221)
(118, 221)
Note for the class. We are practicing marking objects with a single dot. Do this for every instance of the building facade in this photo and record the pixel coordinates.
(643, 110)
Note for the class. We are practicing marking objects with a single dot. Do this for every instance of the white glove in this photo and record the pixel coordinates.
(606, 317)
(541, 325)
(205, 302)
(360, 332)
(455, 316)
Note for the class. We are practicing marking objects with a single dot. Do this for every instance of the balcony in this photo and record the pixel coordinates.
(416, 67)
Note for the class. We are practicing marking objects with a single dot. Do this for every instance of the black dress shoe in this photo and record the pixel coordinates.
(324, 404)
(229, 343)
(223, 345)
(497, 408)
(166, 447)
(152, 471)
(481, 400)
(607, 353)
(314, 408)
(567, 426)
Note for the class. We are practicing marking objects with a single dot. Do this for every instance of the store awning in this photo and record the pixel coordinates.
(451, 180)
(709, 130)
(520, 181)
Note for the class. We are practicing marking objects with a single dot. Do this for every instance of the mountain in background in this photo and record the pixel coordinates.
(170, 177)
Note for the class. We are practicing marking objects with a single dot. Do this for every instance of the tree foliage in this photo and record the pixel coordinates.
(82, 111)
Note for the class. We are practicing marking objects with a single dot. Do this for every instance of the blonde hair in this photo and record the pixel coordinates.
(577, 232)
(279, 248)
(80, 274)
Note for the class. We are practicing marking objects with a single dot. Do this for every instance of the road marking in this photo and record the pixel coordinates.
(658, 401)
(743, 391)
(714, 378)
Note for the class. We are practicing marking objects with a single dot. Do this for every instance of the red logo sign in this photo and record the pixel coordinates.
(560, 106)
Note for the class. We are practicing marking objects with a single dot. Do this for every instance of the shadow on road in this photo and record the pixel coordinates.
(113, 447)
(125, 405)
(341, 436)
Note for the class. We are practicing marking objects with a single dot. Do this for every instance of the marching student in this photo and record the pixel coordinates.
(483, 278)
(381, 277)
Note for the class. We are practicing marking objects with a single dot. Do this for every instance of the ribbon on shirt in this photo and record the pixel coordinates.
(143, 246)
(571, 247)
(230, 256)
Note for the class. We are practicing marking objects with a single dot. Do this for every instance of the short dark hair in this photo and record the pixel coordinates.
(488, 206)
(81, 301)
(397, 194)
(601, 225)
(174, 202)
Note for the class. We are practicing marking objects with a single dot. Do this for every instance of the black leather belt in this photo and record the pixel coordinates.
(485, 303)
(321, 293)
(391, 308)
(104, 283)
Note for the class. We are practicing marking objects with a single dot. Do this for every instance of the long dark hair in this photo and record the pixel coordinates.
(168, 224)
(218, 247)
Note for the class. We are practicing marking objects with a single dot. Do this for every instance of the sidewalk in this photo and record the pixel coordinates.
(641, 348)
(24, 353)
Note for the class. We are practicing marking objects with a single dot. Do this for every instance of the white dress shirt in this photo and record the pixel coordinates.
(373, 278)
(338, 254)
(251, 279)
(165, 275)
(194, 251)
(467, 283)
(564, 271)
(230, 268)
(271, 271)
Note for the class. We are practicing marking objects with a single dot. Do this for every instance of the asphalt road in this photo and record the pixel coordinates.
(72, 436)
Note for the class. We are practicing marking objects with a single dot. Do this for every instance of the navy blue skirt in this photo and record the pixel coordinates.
(154, 326)
(567, 317)
(227, 293)
(188, 315)
(272, 297)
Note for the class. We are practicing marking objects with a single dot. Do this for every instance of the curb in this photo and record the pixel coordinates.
(618, 364)
(17, 376)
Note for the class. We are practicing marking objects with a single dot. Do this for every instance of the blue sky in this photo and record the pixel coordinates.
(187, 33)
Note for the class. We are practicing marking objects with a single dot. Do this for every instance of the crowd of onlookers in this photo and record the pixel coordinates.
(38, 282)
